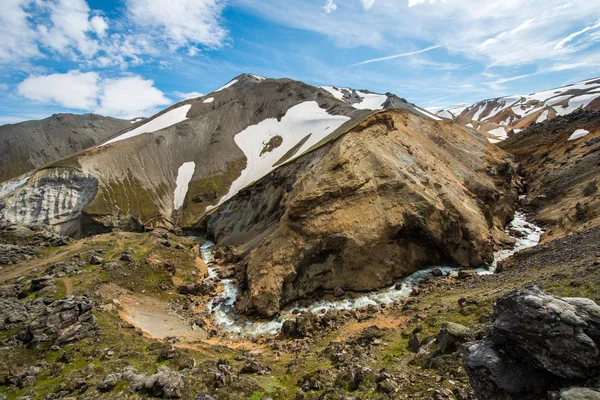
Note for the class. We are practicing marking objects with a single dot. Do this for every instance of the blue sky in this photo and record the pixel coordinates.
(132, 58)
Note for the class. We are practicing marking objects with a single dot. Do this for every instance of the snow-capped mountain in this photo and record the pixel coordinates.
(192, 157)
(500, 115)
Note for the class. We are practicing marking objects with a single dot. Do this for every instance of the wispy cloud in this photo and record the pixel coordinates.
(329, 6)
(411, 53)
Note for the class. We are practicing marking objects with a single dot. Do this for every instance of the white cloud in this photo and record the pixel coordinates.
(329, 6)
(99, 25)
(124, 97)
(188, 95)
(130, 97)
(183, 23)
(367, 4)
(68, 26)
(412, 53)
(32, 29)
(493, 32)
(412, 3)
(71, 90)
(569, 39)
(18, 38)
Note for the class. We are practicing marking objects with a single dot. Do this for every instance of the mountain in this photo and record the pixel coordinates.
(324, 187)
(29, 145)
(560, 159)
(168, 170)
(498, 116)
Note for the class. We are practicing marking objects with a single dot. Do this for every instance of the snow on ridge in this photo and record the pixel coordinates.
(500, 133)
(578, 134)
(163, 121)
(184, 176)
(233, 82)
(209, 100)
(299, 122)
(335, 92)
(369, 101)
(260, 78)
(428, 114)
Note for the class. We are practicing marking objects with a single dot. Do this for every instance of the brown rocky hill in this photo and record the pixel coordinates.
(29, 145)
(395, 194)
(561, 160)
(168, 170)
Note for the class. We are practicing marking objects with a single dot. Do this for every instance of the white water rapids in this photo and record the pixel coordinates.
(223, 311)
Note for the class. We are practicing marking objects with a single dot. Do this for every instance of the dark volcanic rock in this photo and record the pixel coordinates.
(536, 343)
(67, 320)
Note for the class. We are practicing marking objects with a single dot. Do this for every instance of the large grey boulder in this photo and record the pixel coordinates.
(537, 343)
(65, 321)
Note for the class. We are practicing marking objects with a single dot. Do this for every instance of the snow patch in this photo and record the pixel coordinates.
(260, 78)
(209, 100)
(428, 114)
(370, 101)
(578, 134)
(163, 121)
(299, 122)
(136, 120)
(500, 133)
(184, 176)
(233, 82)
(542, 117)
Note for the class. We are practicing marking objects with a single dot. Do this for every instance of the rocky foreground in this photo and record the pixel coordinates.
(73, 327)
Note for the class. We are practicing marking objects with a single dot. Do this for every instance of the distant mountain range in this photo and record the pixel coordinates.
(500, 115)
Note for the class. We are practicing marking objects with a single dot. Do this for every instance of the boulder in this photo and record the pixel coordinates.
(165, 383)
(450, 336)
(96, 260)
(12, 310)
(254, 367)
(65, 321)
(40, 283)
(577, 393)
(536, 344)
(109, 382)
(204, 396)
(126, 257)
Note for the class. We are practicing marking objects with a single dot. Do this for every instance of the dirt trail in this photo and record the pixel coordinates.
(23, 267)
(68, 282)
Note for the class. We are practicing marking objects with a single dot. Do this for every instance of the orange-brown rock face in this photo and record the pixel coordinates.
(395, 194)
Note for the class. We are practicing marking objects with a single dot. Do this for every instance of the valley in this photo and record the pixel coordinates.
(276, 240)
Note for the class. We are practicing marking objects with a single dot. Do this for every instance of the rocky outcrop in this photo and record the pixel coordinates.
(537, 344)
(165, 383)
(395, 194)
(65, 321)
(562, 174)
(53, 197)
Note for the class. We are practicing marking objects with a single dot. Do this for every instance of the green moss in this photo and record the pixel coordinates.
(207, 191)
(126, 198)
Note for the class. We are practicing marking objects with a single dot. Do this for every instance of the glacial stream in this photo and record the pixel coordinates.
(222, 306)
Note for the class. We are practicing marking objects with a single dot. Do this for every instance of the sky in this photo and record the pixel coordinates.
(130, 58)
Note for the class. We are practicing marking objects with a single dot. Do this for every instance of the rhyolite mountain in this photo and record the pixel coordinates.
(502, 116)
(28, 145)
(312, 188)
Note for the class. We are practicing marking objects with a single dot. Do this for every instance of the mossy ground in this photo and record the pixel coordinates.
(436, 304)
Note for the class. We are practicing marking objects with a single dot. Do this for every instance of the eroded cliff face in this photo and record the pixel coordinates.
(396, 194)
(54, 196)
